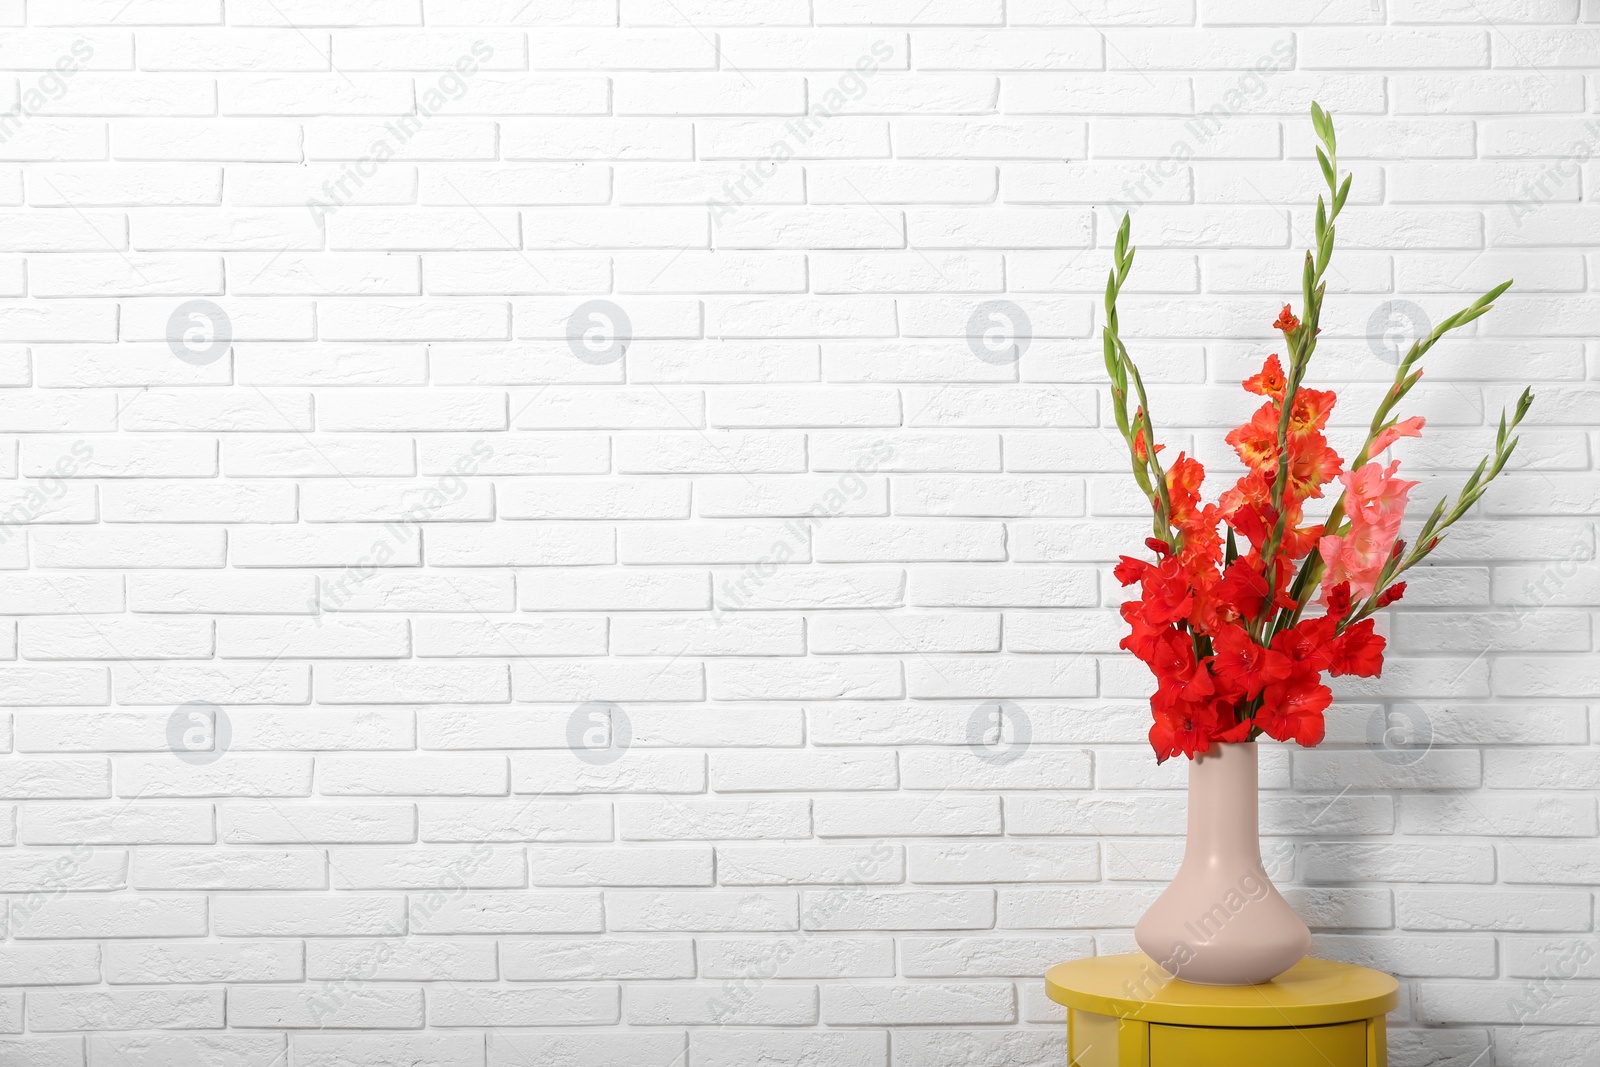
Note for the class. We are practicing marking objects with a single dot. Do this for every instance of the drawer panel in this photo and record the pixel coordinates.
(1343, 1045)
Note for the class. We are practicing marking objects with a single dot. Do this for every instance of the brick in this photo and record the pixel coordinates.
(587, 1049)
(104, 917)
(848, 1049)
(576, 959)
(504, 913)
(170, 1009)
(146, 962)
(790, 1004)
(931, 1002)
(271, 823)
(309, 916)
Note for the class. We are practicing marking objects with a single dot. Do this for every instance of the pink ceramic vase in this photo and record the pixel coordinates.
(1221, 922)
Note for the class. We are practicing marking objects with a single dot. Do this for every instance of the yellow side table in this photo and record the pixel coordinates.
(1124, 1011)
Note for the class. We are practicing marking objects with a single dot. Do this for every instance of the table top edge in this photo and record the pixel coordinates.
(1332, 993)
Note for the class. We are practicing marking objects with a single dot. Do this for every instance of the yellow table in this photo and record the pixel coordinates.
(1123, 1011)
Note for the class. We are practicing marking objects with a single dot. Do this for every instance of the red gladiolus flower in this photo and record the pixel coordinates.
(1256, 441)
(1186, 711)
(1311, 410)
(1391, 594)
(1177, 670)
(1142, 639)
(1166, 593)
(1309, 643)
(1192, 620)
(1187, 729)
(1243, 588)
(1358, 651)
(1292, 710)
(1338, 600)
(1218, 613)
(1251, 519)
(1129, 570)
(1270, 382)
(1243, 667)
(1239, 731)
(1140, 449)
(1248, 507)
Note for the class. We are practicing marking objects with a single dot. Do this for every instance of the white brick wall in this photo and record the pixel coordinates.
(415, 551)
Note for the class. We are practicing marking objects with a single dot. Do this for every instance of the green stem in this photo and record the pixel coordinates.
(1406, 375)
(1441, 519)
(1304, 342)
(1147, 470)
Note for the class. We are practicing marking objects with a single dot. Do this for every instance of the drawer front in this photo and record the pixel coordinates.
(1344, 1045)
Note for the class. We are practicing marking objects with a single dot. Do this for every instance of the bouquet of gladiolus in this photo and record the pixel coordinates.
(1218, 616)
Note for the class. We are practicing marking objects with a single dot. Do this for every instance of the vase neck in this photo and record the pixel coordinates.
(1224, 802)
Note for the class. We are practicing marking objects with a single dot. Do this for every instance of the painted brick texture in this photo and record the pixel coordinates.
(517, 519)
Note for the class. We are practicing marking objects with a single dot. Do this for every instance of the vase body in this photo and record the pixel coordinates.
(1221, 921)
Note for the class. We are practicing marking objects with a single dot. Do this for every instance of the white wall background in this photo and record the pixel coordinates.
(400, 533)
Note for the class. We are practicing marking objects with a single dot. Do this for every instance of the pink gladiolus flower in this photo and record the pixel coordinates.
(1376, 502)
(1375, 495)
(1411, 427)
